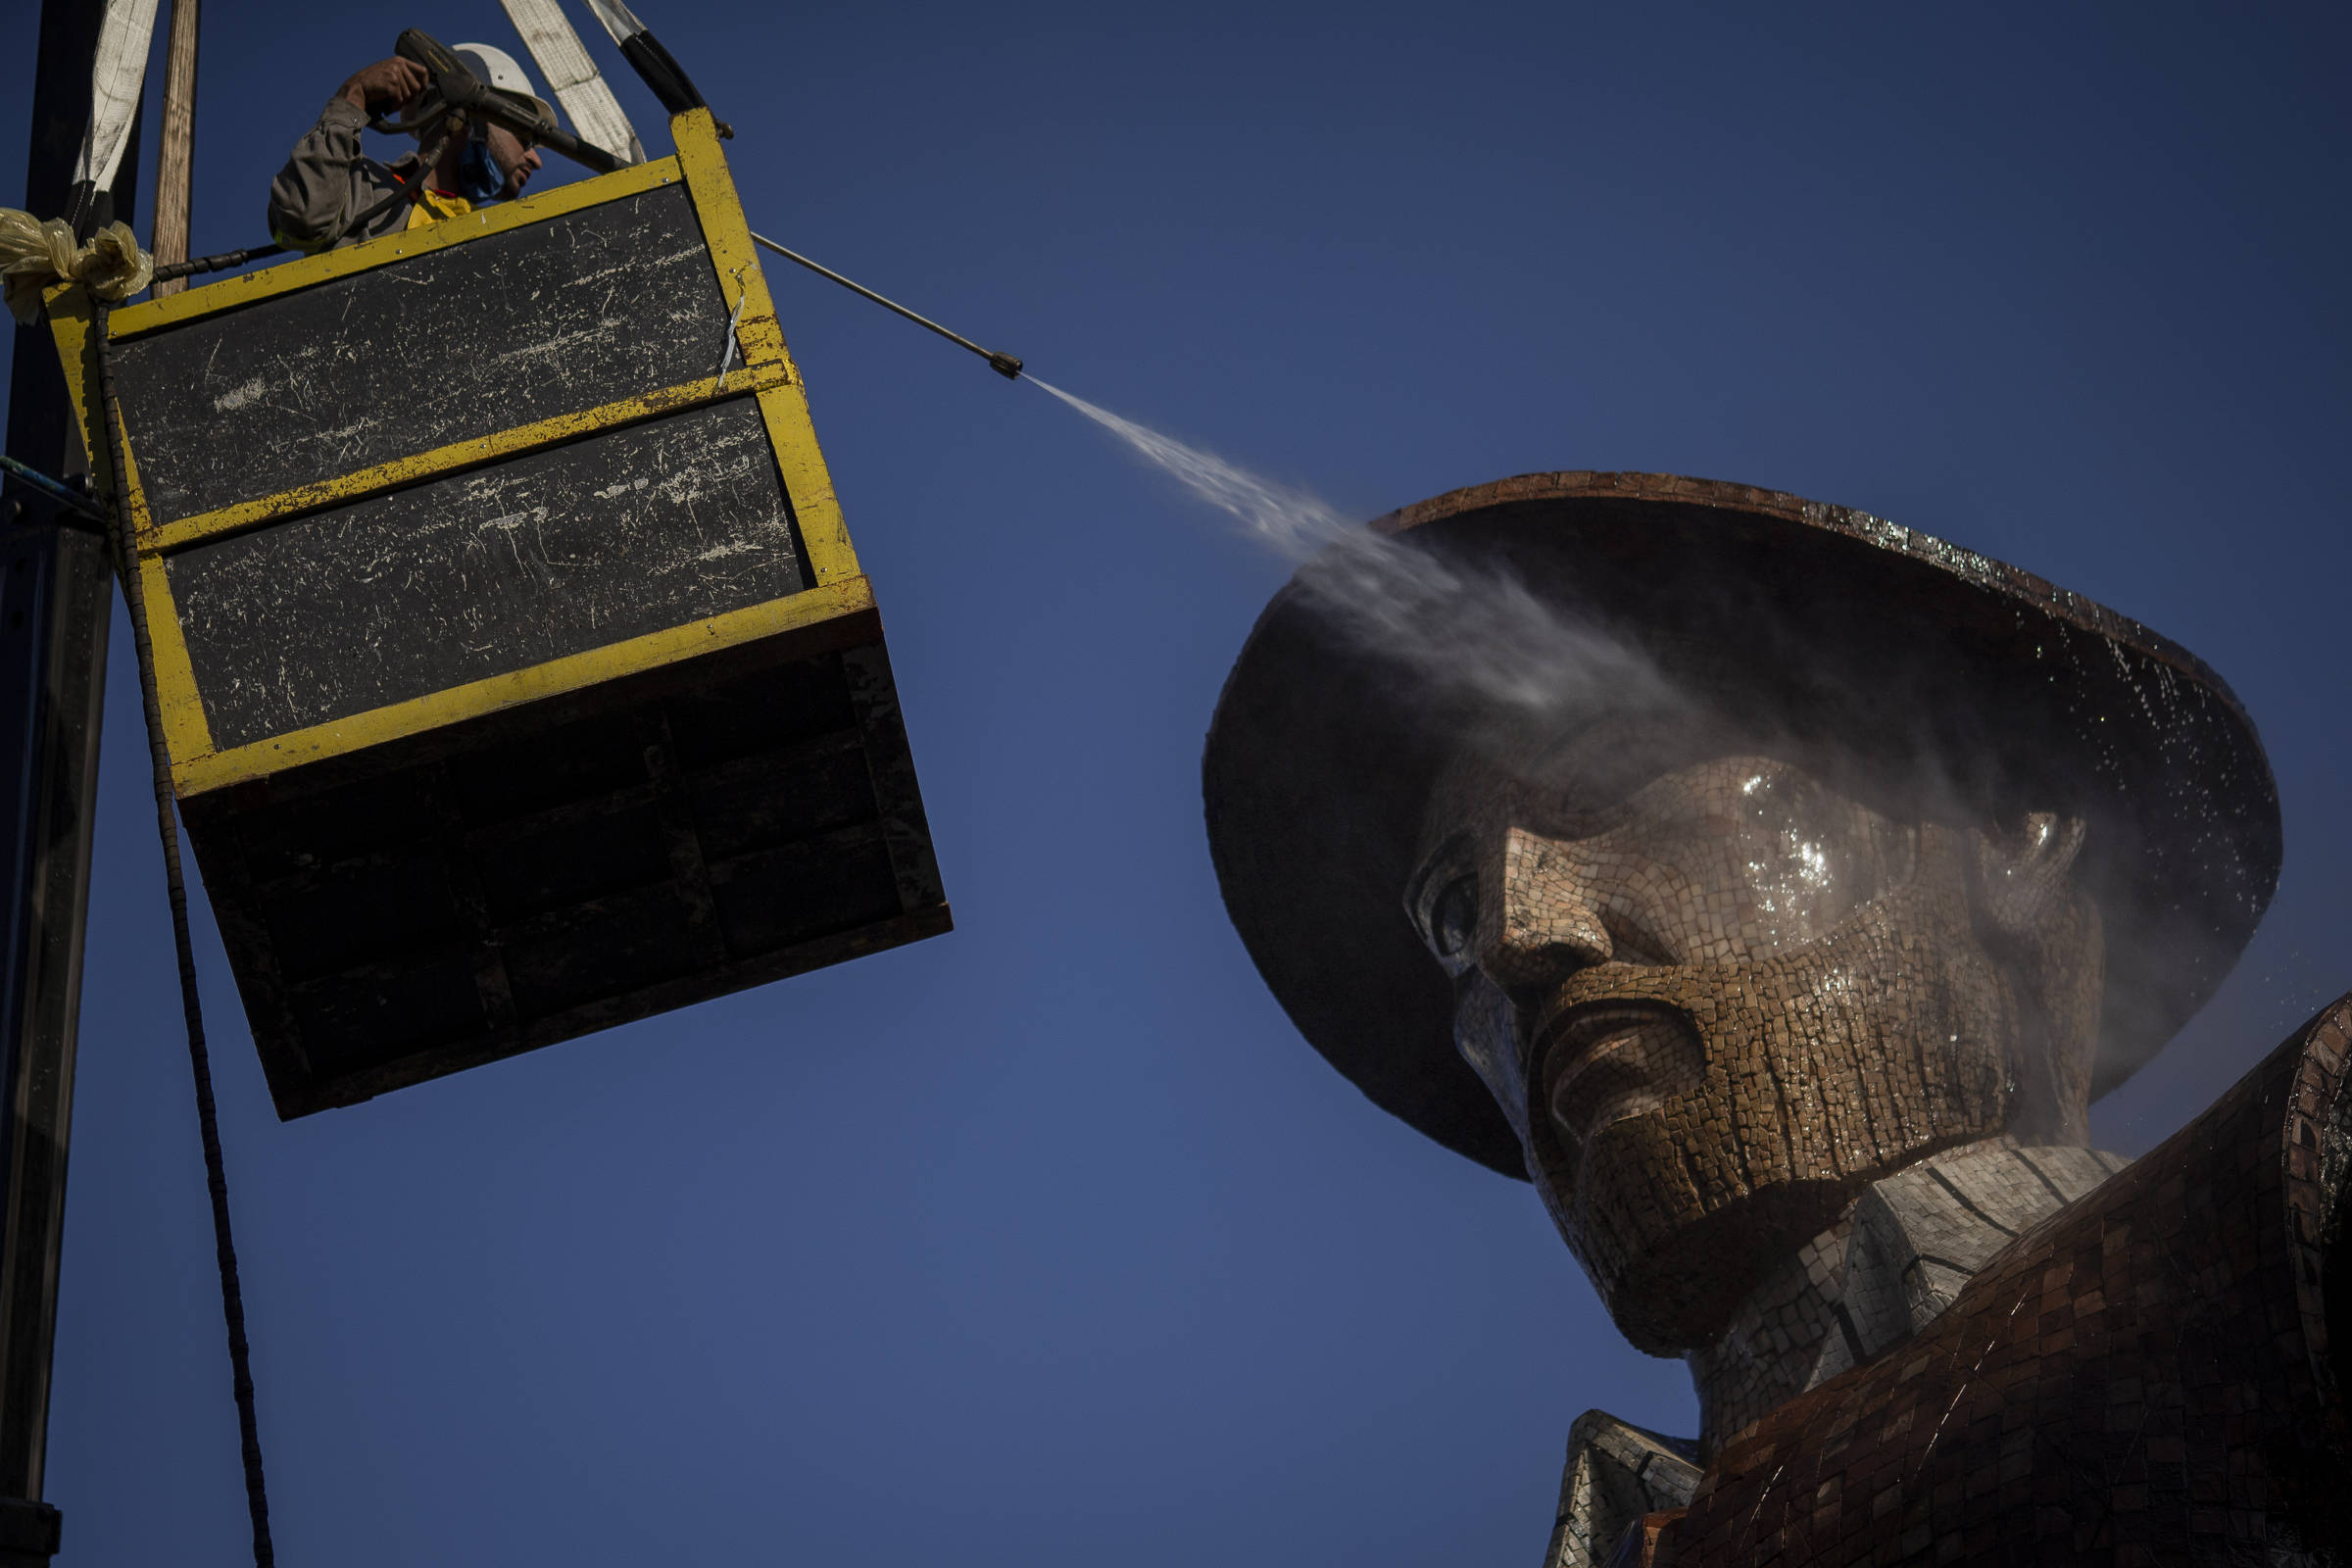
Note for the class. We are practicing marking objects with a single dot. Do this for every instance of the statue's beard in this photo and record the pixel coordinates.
(1693, 1124)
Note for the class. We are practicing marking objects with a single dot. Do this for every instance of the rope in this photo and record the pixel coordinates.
(166, 824)
(35, 253)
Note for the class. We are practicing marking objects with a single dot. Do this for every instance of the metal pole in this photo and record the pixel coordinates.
(1004, 364)
(175, 154)
(56, 593)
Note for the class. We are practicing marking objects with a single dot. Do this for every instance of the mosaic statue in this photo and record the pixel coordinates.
(1786, 973)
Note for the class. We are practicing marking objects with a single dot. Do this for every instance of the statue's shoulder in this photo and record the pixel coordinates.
(2155, 1371)
(1616, 1474)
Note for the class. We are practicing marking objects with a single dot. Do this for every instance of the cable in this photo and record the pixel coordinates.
(219, 263)
(166, 824)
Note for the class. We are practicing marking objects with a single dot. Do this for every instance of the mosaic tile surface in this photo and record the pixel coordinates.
(2145, 1378)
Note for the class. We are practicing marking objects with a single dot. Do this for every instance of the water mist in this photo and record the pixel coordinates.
(1476, 632)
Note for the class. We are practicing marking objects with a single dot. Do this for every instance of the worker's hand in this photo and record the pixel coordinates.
(386, 84)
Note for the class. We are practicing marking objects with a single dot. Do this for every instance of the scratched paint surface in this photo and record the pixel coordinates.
(488, 571)
(551, 318)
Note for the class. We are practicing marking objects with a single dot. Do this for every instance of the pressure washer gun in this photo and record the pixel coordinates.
(458, 96)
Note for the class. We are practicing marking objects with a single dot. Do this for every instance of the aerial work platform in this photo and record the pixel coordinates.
(518, 676)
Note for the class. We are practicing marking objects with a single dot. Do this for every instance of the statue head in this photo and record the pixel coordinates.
(1716, 986)
(1901, 850)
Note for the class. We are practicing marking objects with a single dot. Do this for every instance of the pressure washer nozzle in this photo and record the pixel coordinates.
(1006, 365)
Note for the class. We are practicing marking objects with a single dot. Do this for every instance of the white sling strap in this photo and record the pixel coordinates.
(596, 115)
(124, 38)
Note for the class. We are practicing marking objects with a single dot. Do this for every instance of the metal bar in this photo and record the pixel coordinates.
(621, 24)
(56, 589)
(655, 66)
(1004, 364)
(65, 495)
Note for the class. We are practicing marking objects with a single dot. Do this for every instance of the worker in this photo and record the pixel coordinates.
(331, 193)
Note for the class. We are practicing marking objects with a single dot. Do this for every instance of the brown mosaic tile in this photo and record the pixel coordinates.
(2229, 1389)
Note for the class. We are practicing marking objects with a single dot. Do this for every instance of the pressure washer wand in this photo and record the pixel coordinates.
(1004, 364)
(661, 72)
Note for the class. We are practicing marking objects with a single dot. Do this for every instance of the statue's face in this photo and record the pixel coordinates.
(1715, 996)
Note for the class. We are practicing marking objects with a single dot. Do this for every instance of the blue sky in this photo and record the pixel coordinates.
(1049, 1240)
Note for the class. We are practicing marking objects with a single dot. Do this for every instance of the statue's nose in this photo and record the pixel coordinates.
(1546, 924)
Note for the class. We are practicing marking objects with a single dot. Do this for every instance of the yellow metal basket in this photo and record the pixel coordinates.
(517, 671)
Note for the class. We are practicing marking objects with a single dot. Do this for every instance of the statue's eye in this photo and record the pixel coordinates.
(1453, 918)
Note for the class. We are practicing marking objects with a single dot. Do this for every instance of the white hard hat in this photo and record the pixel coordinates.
(499, 68)
(496, 67)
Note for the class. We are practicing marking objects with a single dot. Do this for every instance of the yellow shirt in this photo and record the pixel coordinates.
(436, 205)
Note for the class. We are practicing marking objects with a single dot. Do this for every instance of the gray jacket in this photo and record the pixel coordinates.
(328, 183)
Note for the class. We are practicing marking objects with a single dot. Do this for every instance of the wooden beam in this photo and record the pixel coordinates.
(174, 162)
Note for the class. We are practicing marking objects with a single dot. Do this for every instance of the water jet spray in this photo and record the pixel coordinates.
(1458, 627)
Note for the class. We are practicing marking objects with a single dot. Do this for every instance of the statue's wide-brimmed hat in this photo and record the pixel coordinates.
(1323, 751)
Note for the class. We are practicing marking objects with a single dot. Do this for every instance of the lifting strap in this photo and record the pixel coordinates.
(116, 76)
(232, 1298)
(573, 78)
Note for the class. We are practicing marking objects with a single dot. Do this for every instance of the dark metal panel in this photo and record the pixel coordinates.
(890, 763)
(385, 907)
(774, 899)
(387, 1011)
(555, 869)
(517, 776)
(480, 573)
(555, 316)
(603, 948)
(572, 859)
(782, 796)
(723, 721)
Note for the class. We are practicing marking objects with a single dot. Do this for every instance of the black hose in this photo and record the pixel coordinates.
(219, 262)
(167, 825)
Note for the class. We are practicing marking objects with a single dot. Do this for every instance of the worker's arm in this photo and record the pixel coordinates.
(314, 198)
(328, 181)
